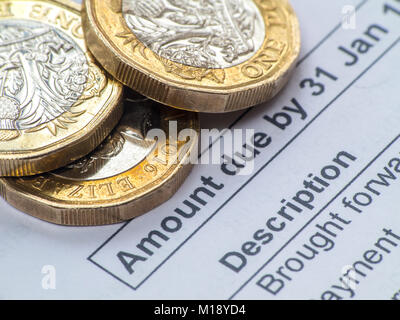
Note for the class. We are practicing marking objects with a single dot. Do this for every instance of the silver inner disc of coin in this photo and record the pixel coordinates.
(208, 34)
(43, 72)
(124, 148)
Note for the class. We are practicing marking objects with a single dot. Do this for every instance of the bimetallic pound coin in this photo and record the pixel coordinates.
(129, 174)
(56, 104)
(207, 56)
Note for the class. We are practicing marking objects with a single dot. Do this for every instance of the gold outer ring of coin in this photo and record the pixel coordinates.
(182, 86)
(98, 189)
(57, 103)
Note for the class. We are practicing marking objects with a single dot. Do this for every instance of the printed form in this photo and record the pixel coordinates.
(317, 218)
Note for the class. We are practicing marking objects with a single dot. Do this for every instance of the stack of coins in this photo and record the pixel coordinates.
(79, 148)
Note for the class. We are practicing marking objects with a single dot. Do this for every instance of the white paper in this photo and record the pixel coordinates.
(356, 120)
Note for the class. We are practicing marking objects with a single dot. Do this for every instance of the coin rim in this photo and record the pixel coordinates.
(52, 212)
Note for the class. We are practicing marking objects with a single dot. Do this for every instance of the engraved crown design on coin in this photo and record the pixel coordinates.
(208, 34)
(43, 74)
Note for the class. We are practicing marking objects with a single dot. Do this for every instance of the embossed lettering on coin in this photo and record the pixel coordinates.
(43, 73)
(198, 33)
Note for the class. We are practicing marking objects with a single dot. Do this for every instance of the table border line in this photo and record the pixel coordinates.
(90, 258)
